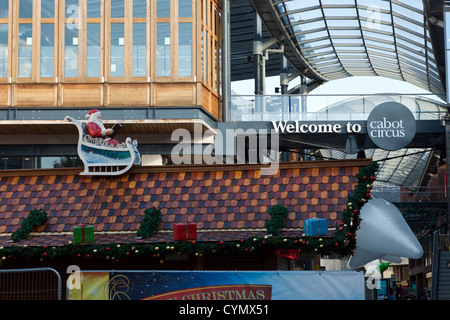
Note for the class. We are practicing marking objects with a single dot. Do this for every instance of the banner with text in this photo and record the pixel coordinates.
(217, 285)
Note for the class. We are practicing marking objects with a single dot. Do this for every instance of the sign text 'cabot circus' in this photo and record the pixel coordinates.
(390, 126)
(299, 127)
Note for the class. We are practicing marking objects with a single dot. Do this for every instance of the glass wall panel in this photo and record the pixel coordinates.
(25, 9)
(3, 50)
(47, 8)
(117, 50)
(185, 8)
(25, 49)
(139, 8)
(163, 8)
(207, 55)
(202, 53)
(71, 9)
(117, 8)
(163, 50)
(4, 8)
(93, 50)
(216, 65)
(93, 9)
(70, 51)
(47, 50)
(185, 49)
(139, 50)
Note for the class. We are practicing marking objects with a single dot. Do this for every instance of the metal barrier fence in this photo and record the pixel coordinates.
(30, 284)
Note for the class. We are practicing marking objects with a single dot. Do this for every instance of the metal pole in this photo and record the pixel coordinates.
(446, 13)
(284, 75)
(285, 107)
(258, 55)
(304, 108)
(435, 267)
(226, 62)
(259, 60)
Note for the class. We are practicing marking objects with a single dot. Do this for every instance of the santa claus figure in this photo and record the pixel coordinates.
(96, 129)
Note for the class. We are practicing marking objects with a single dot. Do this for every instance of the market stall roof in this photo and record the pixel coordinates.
(227, 202)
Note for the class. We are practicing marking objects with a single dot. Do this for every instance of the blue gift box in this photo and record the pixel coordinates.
(315, 227)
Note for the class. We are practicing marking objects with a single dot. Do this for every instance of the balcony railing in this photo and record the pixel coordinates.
(407, 194)
(328, 107)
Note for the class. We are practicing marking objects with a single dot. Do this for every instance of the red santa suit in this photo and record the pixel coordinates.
(95, 127)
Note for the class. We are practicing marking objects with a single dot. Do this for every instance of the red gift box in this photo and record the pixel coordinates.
(185, 231)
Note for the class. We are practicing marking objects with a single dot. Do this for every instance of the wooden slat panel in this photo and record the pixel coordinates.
(5, 95)
(214, 107)
(82, 95)
(33, 95)
(174, 94)
(134, 94)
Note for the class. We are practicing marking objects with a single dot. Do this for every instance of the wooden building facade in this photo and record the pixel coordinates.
(110, 53)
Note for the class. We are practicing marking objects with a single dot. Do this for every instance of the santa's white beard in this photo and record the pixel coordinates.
(94, 118)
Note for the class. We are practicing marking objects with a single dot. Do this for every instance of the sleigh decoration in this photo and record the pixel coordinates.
(101, 158)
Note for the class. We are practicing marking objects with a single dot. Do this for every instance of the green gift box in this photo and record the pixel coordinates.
(83, 233)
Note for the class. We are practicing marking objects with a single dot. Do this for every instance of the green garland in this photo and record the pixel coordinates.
(278, 215)
(34, 219)
(343, 243)
(149, 225)
(345, 236)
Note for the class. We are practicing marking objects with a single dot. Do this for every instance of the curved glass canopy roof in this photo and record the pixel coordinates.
(337, 39)
(359, 107)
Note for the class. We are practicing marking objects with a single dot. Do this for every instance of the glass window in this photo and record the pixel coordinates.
(26, 9)
(163, 8)
(185, 8)
(71, 8)
(139, 8)
(339, 12)
(93, 9)
(139, 50)
(117, 8)
(47, 49)
(185, 49)
(25, 49)
(163, 50)
(202, 54)
(309, 26)
(47, 8)
(93, 50)
(4, 8)
(3, 50)
(216, 65)
(117, 50)
(70, 51)
(207, 55)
